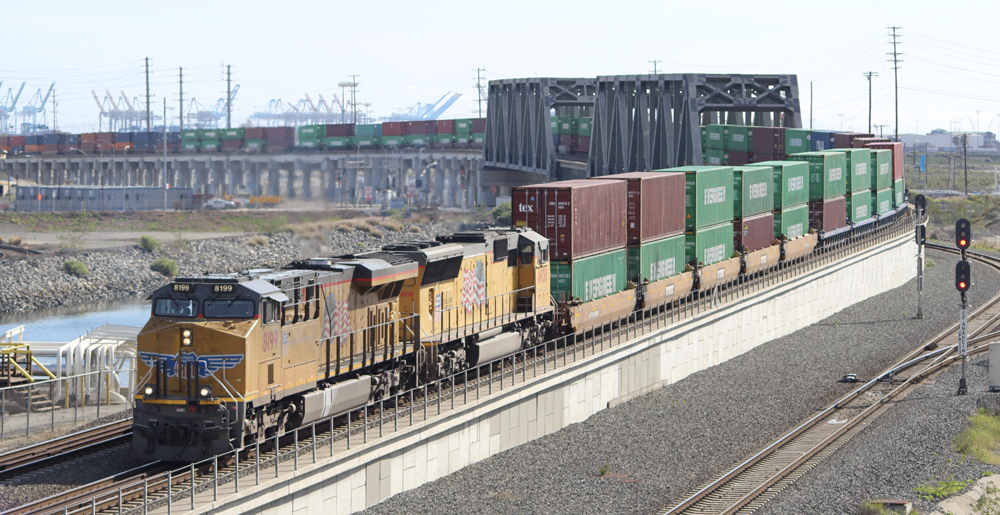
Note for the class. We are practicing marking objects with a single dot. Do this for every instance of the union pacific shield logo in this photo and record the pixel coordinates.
(207, 365)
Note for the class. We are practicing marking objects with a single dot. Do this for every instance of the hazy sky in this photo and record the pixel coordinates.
(409, 52)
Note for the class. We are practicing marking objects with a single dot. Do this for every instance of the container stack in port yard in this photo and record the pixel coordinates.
(753, 203)
(585, 223)
(654, 224)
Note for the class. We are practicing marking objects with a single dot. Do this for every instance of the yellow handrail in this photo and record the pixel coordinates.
(41, 366)
(23, 372)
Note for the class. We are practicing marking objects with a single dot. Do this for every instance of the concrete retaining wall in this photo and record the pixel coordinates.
(370, 473)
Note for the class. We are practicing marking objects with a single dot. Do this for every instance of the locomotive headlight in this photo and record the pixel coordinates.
(186, 342)
(148, 390)
(186, 333)
(205, 391)
(186, 337)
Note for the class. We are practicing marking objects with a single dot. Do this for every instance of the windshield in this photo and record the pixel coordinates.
(186, 308)
(228, 308)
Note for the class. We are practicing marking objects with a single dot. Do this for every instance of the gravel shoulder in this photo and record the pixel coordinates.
(676, 438)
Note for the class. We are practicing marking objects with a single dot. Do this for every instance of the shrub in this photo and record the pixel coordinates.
(258, 241)
(165, 266)
(15, 240)
(502, 213)
(72, 266)
(148, 243)
(415, 228)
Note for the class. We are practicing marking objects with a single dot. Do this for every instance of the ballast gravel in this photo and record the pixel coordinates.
(683, 435)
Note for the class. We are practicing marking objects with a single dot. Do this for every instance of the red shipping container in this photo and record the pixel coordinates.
(103, 146)
(864, 142)
(754, 233)
(413, 129)
(897, 156)
(760, 158)
(254, 133)
(16, 141)
(654, 204)
(88, 136)
(565, 140)
(844, 139)
(392, 128)
(828, 215)
(87, 146)
(581, 143)
(341, 130)
(4, 141)
(231, 144)
(279, 137)
(49, 149)
(579, 218)
(768, 140)
(478, 125)
(430, 127)
(738, 158)
(446, 126)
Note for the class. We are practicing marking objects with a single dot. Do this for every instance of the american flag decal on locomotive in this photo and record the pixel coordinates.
(474, 286)
(207, 365)
(336, 319)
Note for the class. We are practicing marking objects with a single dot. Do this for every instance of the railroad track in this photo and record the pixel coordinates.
(752, 483)
(163, 485)
(48, 453)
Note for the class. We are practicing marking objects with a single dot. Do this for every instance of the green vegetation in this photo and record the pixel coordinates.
(989, 502)
(166, 267)
(606, 468)
(875, 508)
(981, 439)
(148, 243)
(72, 266)
(941, 489)
(181, 243)
(502, 213)
(930, 263)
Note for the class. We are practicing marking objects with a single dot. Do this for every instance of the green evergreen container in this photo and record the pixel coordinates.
(709, 245)
(389, 141)
(209, 134)
(589, 278)
(882, 201)
(708, 192)
(826, 173)
(337, 142)
(714, 157)
(881, 169)
(738, 138)
(310, 143)
(753, 190)
(797, 141)
(189, 145)
(366, 141)
(189, 134)
(464, 126)
(859, 206)
(416, 139)
(582, 126)
(714, 137)
(312, 132)
(255, 144)
(656, 260)
(554, 121)
(858, 161)
(444, 138)
(898, 194)
(232, 134)
(791, 182)
(478, 137)
(211, 145)
(791, 222)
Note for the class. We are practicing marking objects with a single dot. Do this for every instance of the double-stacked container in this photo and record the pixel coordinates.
(738, 143)
(232, 139)
(753, 201)
(827, 187)
(479, 133)
(713, 144)
(366, 135)
(209, 140)
(585, 223)
(310, 136)
(858, 182)
(708, 213)
(898, 187)
(791, 198)
(279, 138)
(881, 178)
(654, 224)
(768, 144)
(254, 139)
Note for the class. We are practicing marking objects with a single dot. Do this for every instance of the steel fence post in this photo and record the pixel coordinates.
(364, 428)
(192, 487)
(170, 494)
(314, 439)
(119, 501)
(236, 471)
(256, 454)
(277, 461)
(215, 478)
(295, 448)
(52, 397)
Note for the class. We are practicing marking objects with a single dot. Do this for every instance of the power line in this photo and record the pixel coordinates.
(895, 71)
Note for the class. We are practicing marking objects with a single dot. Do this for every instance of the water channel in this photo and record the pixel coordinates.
(67, 323)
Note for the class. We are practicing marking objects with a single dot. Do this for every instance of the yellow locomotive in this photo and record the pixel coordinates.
(229, 359)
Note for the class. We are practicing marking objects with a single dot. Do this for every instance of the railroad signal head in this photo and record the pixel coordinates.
(921, 234)
(963, 276)
(920, 203)
(963, 234)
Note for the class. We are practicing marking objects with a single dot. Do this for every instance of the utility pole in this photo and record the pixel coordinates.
(869, 76)
(654, 66)
(149, 115)
(479, 90)
(895, 71)
(965, 160)
(55, 125)
(880, 127)
(181, 112)
(229, 99)
(354, 100)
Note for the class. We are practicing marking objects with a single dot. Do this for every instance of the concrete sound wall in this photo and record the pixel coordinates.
(369, 473)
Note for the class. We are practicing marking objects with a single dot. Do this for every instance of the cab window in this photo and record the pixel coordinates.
(229, 308)
(184, 308)
(527, 254)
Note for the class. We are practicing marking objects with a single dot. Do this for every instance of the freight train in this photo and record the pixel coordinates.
(442, 134)
(227, 360)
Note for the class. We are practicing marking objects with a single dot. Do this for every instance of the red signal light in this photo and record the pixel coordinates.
(961, 243)
(961, 285)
